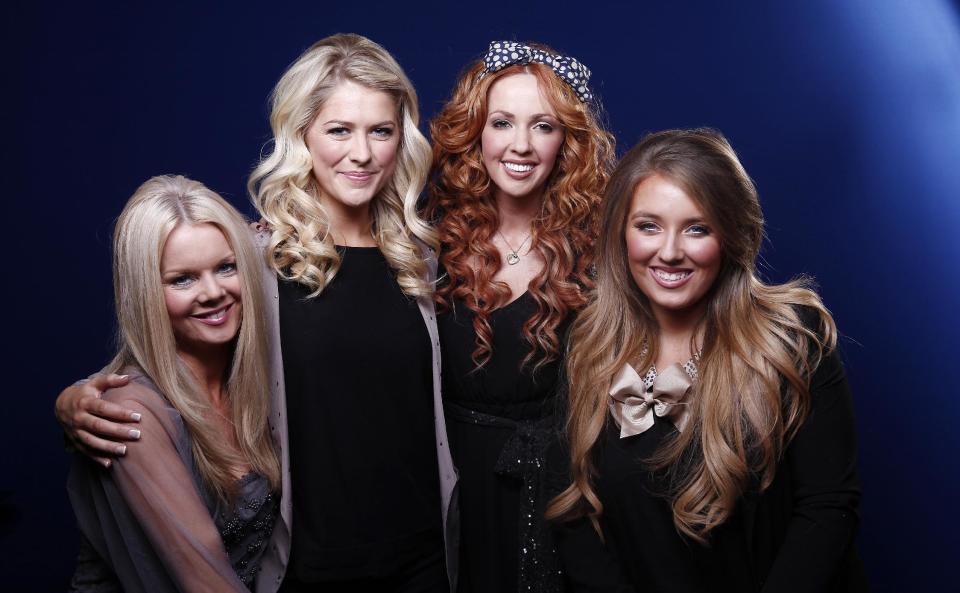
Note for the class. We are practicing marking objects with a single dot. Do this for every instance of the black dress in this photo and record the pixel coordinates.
(499, 419)
(363, 460)
(797, 536)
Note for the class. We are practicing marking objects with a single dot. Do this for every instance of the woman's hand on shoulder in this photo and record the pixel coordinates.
(95, 426)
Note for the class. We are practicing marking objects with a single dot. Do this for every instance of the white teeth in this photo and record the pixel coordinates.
(215, 316)
(518, 168)
(671, 276)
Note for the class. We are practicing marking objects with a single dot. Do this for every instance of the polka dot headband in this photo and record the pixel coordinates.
(507, 53)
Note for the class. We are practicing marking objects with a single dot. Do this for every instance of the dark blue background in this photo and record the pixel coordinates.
(847, 114)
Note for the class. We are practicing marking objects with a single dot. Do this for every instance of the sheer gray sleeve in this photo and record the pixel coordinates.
(144, 515)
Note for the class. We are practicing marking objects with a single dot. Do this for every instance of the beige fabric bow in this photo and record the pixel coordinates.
(633, 405)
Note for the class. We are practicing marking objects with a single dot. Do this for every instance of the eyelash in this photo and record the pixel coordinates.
(185, 280)
(382, 132)
(181, 281)
(227, 268)
(645, 226)
(500, 124)
(694, 229)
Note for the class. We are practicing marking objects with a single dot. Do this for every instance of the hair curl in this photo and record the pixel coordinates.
(461, 201)
(285, 192)
(752, 393)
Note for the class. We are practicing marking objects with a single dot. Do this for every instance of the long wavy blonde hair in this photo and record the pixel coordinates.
(283, 187)
(146, 339)
(758, 354)
(461, 201)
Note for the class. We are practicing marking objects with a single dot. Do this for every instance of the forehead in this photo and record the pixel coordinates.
(194, 244)
(518, 93)
(665, 198)
(354, 102)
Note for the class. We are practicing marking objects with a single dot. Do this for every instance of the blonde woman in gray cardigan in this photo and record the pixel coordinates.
(191, 506)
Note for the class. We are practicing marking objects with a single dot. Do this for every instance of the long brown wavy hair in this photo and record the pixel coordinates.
(752, 393)
(462, 204)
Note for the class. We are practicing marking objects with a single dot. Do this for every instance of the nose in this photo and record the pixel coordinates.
(210, 288)
(521, 141)
(671, 251)
(360, 149)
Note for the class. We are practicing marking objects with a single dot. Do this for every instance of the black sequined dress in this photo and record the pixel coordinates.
(499, 419)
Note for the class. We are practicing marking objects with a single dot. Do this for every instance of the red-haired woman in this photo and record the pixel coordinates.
(520, 162)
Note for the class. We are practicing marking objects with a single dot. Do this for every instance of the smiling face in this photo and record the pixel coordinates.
(201, 287)
(673, 254)
(353, 143)
(520, 139)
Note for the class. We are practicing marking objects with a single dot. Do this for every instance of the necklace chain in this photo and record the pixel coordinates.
(513, 255)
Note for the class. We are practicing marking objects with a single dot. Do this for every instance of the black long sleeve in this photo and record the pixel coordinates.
(822, 463)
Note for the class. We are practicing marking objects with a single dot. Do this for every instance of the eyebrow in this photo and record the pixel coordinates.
(341, 122)
(534, 116)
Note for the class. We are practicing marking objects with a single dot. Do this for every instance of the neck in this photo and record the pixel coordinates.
(516, 215)
(679, 330)
(209, 368)
(350, 226)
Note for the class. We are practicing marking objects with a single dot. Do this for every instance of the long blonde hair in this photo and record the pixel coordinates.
(146, 339)
(758, 355)
(283, 187)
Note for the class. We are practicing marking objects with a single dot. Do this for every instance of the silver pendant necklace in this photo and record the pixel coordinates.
(513, 255)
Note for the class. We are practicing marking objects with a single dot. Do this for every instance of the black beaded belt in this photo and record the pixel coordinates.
(522, 457)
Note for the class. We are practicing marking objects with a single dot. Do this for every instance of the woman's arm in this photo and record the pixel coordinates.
(152, 484)
(822, 460)
(92, 424)
(588, 565)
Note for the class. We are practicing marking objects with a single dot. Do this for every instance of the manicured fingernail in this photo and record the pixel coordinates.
(134, 433)
(123, 376)
(122, 450)
(135, 416)
(106, 463)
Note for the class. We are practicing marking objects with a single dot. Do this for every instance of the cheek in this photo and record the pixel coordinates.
(550, 148)
(323, 154)
(233, 286)
(178, 304)
(490, 149)
(386, 153)
(639, 248)
(706, 254)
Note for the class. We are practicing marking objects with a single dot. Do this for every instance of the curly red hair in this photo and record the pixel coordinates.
(461, 202)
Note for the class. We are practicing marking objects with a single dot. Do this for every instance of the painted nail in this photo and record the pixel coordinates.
(106, 463)
(123, 376)
(134, 433)
(135, 416)
(122, 450)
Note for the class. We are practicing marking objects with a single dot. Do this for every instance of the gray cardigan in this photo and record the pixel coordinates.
(278, 553)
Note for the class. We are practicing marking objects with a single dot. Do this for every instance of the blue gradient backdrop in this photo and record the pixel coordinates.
(846, 112)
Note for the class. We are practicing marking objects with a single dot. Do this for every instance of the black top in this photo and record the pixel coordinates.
(501, 388)
(359, 389)
(795, 536)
